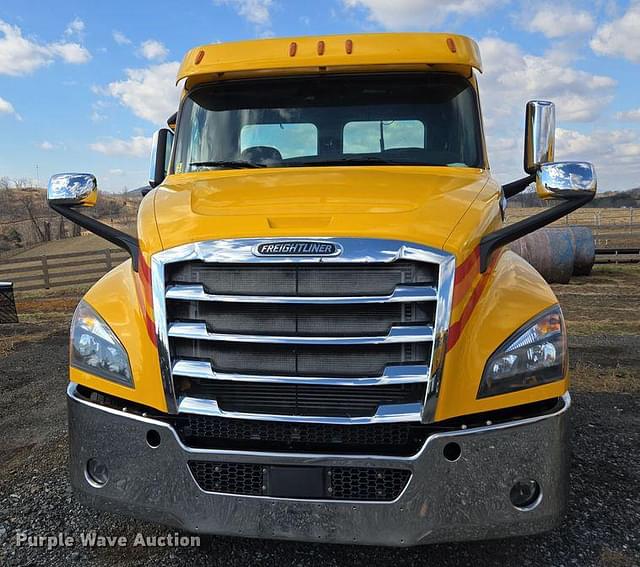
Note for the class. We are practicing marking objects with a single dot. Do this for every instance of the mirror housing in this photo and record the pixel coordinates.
(66, 191)
(566, 180)
(72, 189)
(160, 156)
(540, 133)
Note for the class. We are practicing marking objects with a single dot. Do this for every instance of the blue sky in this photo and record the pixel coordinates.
(84, 84)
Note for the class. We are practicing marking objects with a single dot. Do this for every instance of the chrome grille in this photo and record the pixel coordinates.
(344, 340)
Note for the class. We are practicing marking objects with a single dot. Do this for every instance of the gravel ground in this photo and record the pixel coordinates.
(602, 525)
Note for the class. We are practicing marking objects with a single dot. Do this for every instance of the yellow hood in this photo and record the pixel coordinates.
(418, 204)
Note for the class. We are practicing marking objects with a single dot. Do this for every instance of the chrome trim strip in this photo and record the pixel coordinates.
(391, 375)
(400, 334)
(160, 320)
(384, 414)
(355, 250)
(402, 293)
(446, 279)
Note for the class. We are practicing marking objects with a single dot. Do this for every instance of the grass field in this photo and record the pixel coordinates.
(585, 216)
(83, 243)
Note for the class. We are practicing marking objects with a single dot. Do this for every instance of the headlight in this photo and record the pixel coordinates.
(534, 355)
(96, 349)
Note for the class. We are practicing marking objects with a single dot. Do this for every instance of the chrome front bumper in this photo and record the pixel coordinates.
(444, 501)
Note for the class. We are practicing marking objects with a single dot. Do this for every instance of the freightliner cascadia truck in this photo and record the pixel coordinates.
(320, 334)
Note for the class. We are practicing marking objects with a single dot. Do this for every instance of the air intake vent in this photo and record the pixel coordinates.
(322, 483)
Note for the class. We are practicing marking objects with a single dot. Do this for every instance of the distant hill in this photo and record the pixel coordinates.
(27, 220)
(138, 192)
(629, 198)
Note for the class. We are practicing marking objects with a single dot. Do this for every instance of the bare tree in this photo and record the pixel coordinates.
(22, 183)
(27, 202)
(62, 229)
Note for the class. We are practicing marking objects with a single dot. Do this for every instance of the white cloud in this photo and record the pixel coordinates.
(412, 14)
(620, 37)
(149, 93)
(629, 115)
(70, 52)
(74, 27)
(46, 145)
(120, 38)
(21, 56)
(138, 146)
(615, 154)
(255, 11)
(7, 108)
(555, 21)
(97, 111)
(512, 77)
(153, 50)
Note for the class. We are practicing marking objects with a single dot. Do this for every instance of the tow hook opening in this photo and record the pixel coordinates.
(153, 438)
(452, 452)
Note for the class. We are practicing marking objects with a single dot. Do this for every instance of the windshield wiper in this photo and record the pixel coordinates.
(231, 164)
(357, 161)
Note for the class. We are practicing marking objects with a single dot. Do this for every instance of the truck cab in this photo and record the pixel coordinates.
(321, 334)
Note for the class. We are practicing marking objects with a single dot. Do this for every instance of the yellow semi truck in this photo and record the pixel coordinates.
(319, 335)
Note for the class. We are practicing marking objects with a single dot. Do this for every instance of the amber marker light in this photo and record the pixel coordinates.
(452, 45)
(199, 57)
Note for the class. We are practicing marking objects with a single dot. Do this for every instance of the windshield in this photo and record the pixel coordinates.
(386, 119)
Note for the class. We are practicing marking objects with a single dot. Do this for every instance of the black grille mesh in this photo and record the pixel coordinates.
(301, 320)
(232, 478)
(211, 432)
(351, 483)
(287, 360)
(303, 399)
(341, 483)
(302, 280)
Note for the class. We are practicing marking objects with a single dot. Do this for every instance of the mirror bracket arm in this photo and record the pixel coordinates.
(511, 189)
(506, 235)
(113, 235)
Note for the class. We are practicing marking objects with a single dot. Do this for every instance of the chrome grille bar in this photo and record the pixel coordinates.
(404, 374)
(196, 292)
(385, 414)
(399, 334)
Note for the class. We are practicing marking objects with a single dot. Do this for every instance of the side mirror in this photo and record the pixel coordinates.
(72, 189)
(160, 156)
(540, 134)
(566, 180)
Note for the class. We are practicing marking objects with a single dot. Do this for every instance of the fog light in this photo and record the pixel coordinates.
(525, 494)
(97, 473)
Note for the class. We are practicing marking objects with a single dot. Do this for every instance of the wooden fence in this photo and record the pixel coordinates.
(57, 270)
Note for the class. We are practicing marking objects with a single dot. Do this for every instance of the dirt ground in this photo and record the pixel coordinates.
(603, 521)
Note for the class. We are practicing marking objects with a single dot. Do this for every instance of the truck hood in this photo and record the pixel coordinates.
(418, 204)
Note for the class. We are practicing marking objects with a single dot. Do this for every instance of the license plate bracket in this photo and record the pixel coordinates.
(296, 482)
